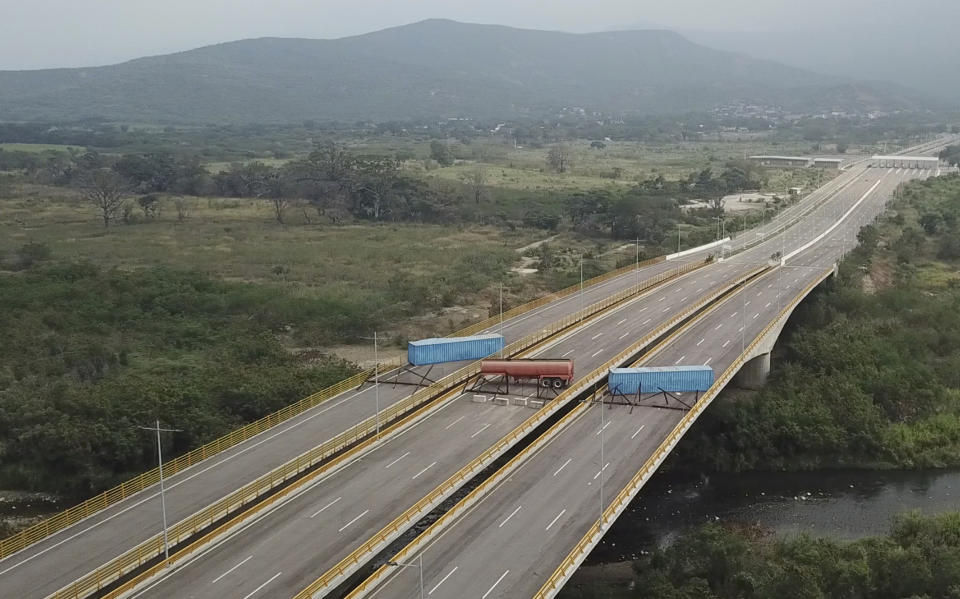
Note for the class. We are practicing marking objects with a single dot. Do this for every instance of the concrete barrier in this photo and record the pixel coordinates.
(697, 249)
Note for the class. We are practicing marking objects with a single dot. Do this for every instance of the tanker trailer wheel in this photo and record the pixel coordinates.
(558, 383)
(545, 383)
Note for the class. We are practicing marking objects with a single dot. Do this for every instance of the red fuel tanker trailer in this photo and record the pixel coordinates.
(547, 373)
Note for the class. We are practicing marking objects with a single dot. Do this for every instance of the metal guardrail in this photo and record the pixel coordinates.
(249, 493)
(620, 502)
(104, 500)
(376, 543)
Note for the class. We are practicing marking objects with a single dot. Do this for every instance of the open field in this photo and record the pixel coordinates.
(618, 164)
(14, 147)
(431, 278)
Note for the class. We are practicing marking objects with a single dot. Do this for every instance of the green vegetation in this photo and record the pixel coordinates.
(919, 558)
(89, 354)
(951, 154)
(870, 375)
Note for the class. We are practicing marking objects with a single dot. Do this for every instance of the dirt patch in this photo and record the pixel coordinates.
(879, 277)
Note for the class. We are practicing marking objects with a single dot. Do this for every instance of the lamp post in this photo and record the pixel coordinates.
(501, 315)
(638, 264)
(418, 565)
(581, 286)
(376, 377)
(163, 500)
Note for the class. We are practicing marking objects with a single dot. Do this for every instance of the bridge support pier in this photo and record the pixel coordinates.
(754, 373)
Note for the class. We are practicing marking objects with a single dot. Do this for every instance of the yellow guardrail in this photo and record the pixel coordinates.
(138, 556)
(375, 543)
(102, 501)
(620, 502)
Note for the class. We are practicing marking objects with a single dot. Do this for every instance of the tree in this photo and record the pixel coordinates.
(842, 148)
(440, 152)
(559, 158)
(597, 145)
(183, 208)
(150, 204)
(476, 181)
(106, 190)
(375, 181)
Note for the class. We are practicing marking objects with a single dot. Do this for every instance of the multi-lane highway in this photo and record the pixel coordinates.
(270, 550)
(50, 564)
(509, 543)
(350, 506)
(63, 557)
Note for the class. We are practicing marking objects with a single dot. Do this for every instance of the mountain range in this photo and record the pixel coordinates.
(431, 70)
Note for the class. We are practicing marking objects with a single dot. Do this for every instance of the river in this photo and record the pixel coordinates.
(836, 504)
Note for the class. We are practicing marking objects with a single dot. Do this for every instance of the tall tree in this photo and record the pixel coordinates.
(559, 158)
(440, 152)
(106, 190)
(476, 180)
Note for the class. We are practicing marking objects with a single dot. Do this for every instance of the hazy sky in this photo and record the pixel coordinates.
(60, 33)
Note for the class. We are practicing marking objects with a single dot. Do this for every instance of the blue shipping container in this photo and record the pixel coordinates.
(653, 379)
(452, 349)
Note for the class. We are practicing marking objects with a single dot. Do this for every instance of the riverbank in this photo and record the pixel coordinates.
(837, 506)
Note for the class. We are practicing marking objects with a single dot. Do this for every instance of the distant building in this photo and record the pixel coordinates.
(782, 161)
(828, 163)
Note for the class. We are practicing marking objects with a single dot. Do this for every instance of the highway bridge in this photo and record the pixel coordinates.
(354, 496)
(513, 537)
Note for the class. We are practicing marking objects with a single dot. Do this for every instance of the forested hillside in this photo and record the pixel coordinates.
(434, 69)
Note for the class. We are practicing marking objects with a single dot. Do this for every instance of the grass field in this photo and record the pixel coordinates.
(525, 169)
(12, 147)
(453, 270)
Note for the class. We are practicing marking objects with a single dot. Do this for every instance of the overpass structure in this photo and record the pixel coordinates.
(69, 562)
(921, 162)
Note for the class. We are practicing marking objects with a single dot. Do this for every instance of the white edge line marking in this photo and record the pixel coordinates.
(424, 470)
(396, 460)
(344, 527)
(218, 578)
(454, 422)
(324, 507)
(554, 521)
(490, 590)
(443, 580)
(512, 514)
(483, 428)
(257, 590)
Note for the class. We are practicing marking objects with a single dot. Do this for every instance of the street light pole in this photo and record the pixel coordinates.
(376, 378)
(638, 264)
(501, 315)
(581, 286)
(163, 499)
